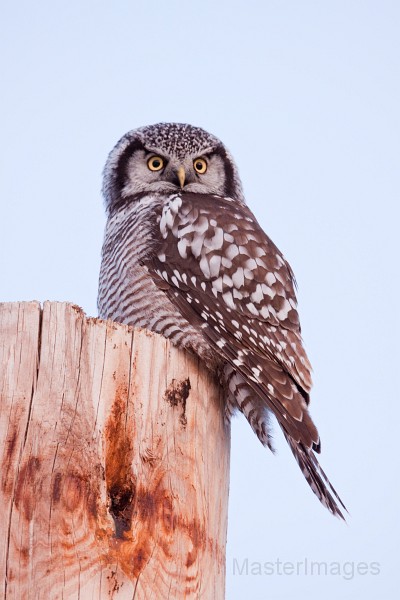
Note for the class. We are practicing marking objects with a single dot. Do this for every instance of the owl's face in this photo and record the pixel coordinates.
(169, 157)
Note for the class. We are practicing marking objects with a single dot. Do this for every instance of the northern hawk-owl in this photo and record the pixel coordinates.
(185, 257)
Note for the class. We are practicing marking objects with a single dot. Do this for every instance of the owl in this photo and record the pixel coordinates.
(184, 256)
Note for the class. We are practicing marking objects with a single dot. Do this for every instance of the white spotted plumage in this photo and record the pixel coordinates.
(186, 258)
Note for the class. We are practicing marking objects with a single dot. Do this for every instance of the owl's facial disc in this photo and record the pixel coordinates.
(150, 170)
(168, 158)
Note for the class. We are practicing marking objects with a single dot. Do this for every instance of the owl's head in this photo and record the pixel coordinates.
(166, 158)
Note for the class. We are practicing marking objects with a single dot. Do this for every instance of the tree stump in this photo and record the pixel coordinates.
(114, 459)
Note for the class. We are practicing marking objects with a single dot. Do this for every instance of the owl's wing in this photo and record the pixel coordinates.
(228, 279)
(222, 271)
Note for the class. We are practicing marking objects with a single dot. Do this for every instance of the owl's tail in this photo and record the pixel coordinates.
(241, 395)
(316, 478)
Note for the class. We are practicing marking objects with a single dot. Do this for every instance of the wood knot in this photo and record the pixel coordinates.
(121, 507)
(176, 394)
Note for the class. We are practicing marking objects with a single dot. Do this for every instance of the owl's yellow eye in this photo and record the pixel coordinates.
(200, 165)
(155, 163)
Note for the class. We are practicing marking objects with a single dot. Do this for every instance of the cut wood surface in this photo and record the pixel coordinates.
(114, 462)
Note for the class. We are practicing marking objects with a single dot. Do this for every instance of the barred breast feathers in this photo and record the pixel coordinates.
(127, 293)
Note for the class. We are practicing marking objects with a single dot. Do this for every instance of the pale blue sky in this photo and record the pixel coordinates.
(306, 95)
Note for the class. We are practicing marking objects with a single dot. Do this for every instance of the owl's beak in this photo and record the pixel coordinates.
(181, 176)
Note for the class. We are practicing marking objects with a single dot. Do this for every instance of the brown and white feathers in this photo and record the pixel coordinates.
(185, 257)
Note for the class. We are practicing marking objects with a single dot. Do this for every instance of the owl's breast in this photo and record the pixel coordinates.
(127, 292)
(124, 283)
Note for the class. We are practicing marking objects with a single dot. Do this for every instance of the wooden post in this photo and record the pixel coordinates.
(114, 462)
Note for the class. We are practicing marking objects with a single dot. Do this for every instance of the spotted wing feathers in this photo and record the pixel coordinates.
(228, 279)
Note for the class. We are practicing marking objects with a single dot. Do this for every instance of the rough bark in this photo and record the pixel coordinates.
(114, 461)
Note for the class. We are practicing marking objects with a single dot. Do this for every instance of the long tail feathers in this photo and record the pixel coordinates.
(316, 478)
(240, 394)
